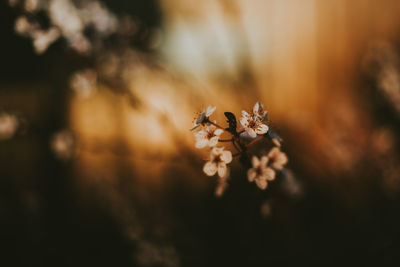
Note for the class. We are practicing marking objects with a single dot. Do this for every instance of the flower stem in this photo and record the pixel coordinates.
(255, 140)
(234, 144)
(216, 125)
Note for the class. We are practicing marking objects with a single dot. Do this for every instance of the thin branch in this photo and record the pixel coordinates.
(216, 125)
(255, 140)
(225, 140)
(234, 144)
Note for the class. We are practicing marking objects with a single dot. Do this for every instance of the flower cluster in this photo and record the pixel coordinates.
(254, 129)
(264, 169)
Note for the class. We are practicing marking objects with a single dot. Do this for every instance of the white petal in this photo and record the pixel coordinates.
(257, 109)
(272, 153)
(210, 168)
(269, 174)
(262, 184)
(251, 132)
(210, 110)
(279, 160)
(221, 187)
(211, 127)
(262, 129)
(264, 116)
(200, 134)
(226, 156)
(218, 131)
(226, 176)
(222, 169)
(244, 122)
(255, 161)
(264, 161)
(213, 141)
(245, 114)
(282, 158)
(201, 143)
(276, 142)
(216, 151)
(246, 136)
(251, 174)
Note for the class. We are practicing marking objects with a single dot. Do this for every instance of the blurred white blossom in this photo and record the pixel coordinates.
(221, 187)
(8, 125)
(32, 5)
(96, 14)
(266, 209)
(13, 2)
(217, 163)
(84, 83)
(68, 19)
(383, 62)
(43, 39)
(64, 15)
(63, 144)
(260, 173)
(277, 159)
(23, 26)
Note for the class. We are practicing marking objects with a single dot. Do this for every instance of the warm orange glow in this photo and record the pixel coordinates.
(294, 57)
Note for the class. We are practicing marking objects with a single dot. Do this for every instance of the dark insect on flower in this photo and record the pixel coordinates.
(232, 122)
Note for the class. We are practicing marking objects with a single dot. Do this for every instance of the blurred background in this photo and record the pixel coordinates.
(98, 166)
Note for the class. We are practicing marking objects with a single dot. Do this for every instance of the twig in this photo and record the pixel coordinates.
(255, 140)
(225, 140)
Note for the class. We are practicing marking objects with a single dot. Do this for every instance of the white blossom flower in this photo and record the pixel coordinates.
(203, 117)
(258, 111)
(252, 124)
(277, 158)
(260, 173)
(218, 160)
(208, 136)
